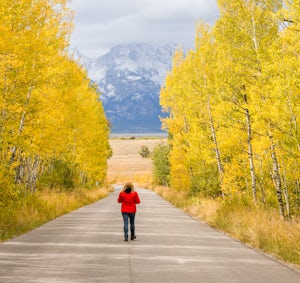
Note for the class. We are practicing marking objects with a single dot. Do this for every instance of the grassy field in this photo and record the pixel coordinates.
(126, 164)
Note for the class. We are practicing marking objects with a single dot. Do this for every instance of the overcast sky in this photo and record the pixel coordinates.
(102, 24)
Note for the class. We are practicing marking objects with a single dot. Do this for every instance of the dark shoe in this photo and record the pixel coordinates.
(126, 238)
(133, 236)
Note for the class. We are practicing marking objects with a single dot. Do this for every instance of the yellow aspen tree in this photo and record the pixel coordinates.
(37, 32)
(173, 100)
(190, 98)
(205, 94)
(92, 149)
(41, 89)
(193, 135)
(244, 31)
(282, 108)
(68, 137)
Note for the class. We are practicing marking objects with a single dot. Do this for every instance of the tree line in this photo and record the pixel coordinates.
(233, 105)
(53, 130)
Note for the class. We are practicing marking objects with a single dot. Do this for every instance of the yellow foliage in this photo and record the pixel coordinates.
(233, 106)
(50, 111)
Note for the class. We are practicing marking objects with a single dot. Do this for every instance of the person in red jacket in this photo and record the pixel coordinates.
(129, 198)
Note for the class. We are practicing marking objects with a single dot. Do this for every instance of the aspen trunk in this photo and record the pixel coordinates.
(263, 194)
(250, 155)
(293, 120)
(83, 178)
(4, 91)
(32, 165)
(217, 148)
(287, 201)
(277, 178)
(21, 124)
(20, 171)
(286, 195)
(297, 188)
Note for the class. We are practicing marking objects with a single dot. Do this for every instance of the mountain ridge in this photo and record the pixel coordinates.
(129, 78)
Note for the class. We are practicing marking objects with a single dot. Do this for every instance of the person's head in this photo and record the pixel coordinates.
(128, 188)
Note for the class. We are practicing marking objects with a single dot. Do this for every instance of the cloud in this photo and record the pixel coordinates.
(99, 25)
(97, 12)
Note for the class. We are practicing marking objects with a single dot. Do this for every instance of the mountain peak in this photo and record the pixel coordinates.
(130, 77)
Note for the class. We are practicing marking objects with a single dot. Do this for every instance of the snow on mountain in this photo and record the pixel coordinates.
(129, 78)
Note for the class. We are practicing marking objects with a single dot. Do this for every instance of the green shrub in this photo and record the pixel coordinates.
(144, 152)
(59, 174)
(161, 164)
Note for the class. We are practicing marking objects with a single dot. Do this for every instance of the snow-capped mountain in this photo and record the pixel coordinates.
(129, 78)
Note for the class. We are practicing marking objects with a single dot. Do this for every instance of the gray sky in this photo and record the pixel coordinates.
(102, 24)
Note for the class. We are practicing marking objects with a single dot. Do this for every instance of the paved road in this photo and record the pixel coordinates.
(87, 246)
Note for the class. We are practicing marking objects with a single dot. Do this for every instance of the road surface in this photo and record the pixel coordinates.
(87, 246)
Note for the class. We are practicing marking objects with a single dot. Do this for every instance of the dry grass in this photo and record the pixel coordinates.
(34, 210)
(262, 229)
(257, 227)
(202, 208)
(126, 164)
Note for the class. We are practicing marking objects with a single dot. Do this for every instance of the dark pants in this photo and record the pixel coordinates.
(131, 216)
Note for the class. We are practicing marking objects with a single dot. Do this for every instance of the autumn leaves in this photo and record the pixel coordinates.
(50, 112)
(234, 103)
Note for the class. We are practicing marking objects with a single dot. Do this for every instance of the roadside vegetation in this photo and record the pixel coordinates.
(232, 117)
(53, 130)
(33, 210)
(234, 107)
(253, 225)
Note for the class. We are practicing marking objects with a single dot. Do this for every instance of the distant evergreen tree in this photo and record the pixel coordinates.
(144, 152)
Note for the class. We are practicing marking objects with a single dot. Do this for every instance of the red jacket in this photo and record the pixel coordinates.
(128, 201)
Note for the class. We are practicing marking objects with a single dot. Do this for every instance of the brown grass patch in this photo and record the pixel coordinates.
(126, 164)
